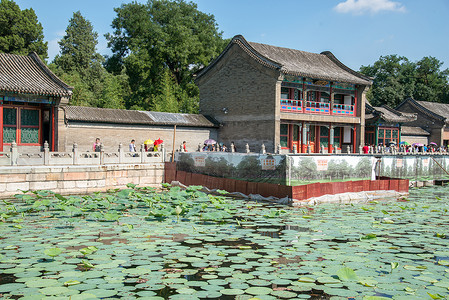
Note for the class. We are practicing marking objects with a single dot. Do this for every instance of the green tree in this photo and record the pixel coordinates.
(20, 31)
(391, 80)
(431, 82)
(78, 47)
(81, 66)
(396, 78)
(160, 37)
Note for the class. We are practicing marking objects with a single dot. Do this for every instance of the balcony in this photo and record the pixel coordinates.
(313, 107)
(343, 109)
(289, 105)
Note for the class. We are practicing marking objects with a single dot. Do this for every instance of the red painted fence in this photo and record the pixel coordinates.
(299, 192)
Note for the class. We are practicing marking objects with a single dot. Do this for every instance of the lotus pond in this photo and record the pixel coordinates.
(185, 244)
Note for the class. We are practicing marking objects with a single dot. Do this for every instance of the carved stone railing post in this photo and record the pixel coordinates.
(200, 148)
(262, 149)
(348, 149)
(360, 149)
(279, 149)
(309, 149)
(143, 155)
(162, 149)
(46, 154)
(232, 148)
(14, 153)
(121, 154)
(101, 154)
(322, 149)
(75, 153)
(295, 149)
(247, 148)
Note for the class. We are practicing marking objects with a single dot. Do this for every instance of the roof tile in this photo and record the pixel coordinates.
(29, 75)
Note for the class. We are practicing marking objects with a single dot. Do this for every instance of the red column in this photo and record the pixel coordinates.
(52, 128)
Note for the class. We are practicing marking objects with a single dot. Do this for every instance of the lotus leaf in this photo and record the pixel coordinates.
(347, 274)
(258, 290)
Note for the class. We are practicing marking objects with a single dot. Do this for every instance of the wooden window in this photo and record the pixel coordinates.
(388, 135)
(9, 124)
(284, 135)
(324, 136)
(22, 125)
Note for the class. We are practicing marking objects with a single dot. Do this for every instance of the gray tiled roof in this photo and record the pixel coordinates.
(437, 111)
(387, 114)
(122, 116)
(295, 62)
(440, 109)
(29, 75)
(410, 130)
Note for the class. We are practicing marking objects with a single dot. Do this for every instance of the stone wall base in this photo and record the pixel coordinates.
(78, 179)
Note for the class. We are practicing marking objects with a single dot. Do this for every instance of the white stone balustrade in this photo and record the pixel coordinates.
(76, 157)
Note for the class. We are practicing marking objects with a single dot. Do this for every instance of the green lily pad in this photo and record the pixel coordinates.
(231, 292)
(258, 290)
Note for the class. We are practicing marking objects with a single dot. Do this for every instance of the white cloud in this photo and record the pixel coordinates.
(359, 7)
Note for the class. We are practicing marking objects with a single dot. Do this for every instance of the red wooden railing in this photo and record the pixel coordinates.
(290, 105)
(343, 109)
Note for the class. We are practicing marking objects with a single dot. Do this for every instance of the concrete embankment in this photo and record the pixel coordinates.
(78, 179)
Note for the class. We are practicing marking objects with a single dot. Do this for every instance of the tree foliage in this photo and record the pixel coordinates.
(81, 66)
(78, 46)
(20, 31)
(395, 78)
(163, 42)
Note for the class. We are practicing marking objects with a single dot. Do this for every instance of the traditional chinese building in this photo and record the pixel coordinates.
(30, 97)
(82, 125)
(278, 96)
(432, 118)
(384, 125)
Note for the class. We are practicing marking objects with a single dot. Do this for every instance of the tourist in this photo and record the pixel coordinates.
(365, 149)
(97, 145)
(184, 146)
(224, 148)
(132, 146)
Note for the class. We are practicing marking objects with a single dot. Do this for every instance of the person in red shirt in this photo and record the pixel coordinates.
(184, 146)
(365, 149)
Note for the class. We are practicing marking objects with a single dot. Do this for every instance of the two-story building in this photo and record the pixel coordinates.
(279, 96)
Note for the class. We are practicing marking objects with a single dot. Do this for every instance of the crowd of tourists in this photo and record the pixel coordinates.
(405, 148)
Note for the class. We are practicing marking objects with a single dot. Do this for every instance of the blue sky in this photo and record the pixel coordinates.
(357, 32)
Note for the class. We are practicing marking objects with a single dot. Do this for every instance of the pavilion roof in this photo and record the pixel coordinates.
(29, 75)
(387, 114)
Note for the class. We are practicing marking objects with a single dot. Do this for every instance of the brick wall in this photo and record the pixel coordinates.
(78, 179)
(111, 135)
(241, 95)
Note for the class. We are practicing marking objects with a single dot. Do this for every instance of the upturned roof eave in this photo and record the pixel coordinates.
(424, 110)
(262, 59)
